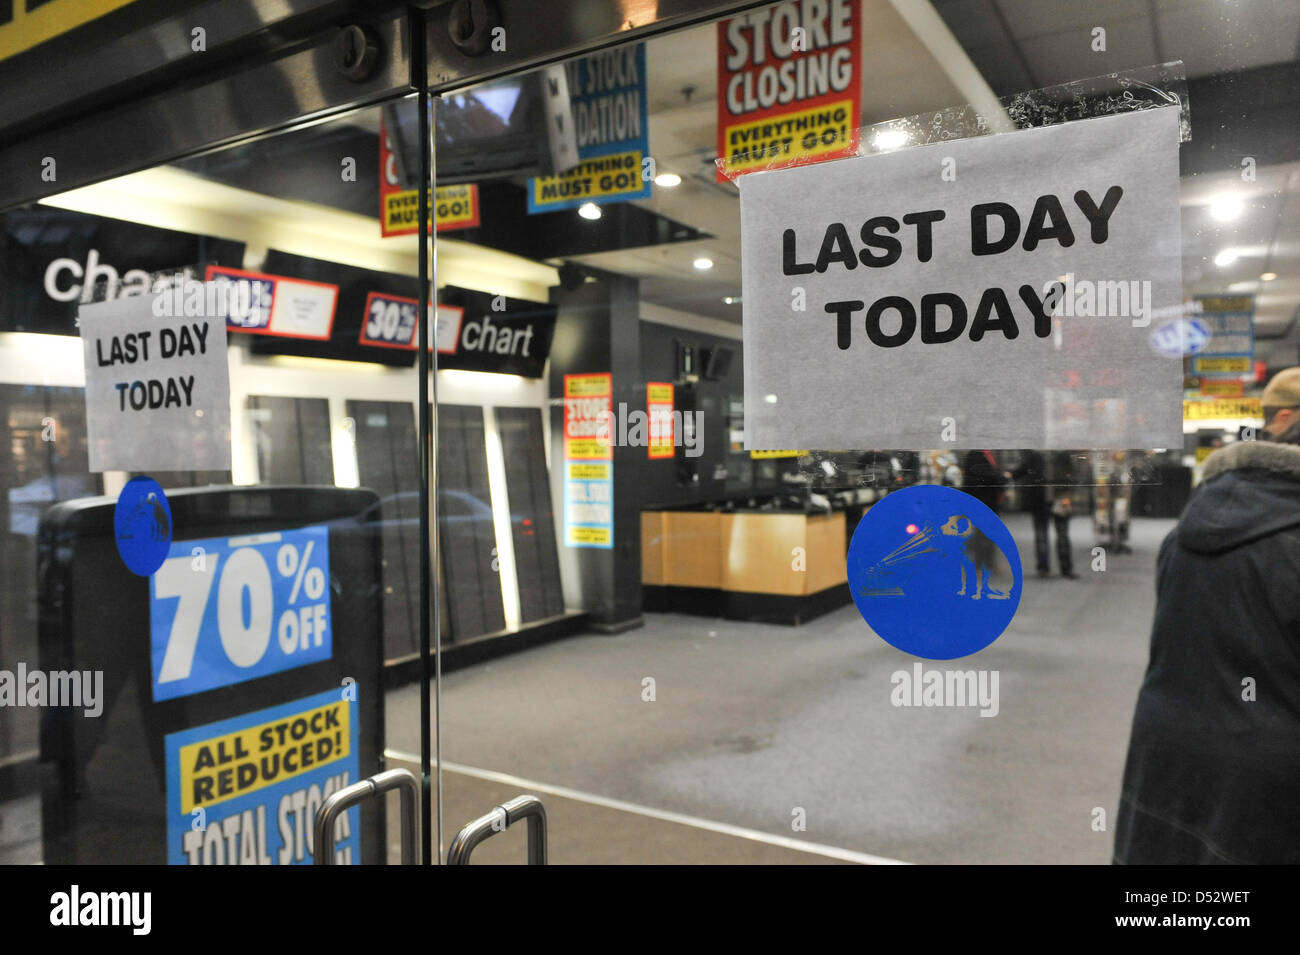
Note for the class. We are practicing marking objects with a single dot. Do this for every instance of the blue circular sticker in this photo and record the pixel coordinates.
(934, 572)
(142, 523)
(1182, 336)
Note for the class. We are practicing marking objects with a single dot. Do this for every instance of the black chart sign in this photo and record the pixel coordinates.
(476, 331)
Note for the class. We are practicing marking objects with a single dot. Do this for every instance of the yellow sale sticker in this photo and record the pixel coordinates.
(246, 760)
(1223, 408)
(602, 178)
(591, 537)
(1235, 365)
(804, 136)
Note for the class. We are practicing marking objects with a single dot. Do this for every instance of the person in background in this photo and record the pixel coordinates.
(1121, 502)
(909, 467)
(1061, 476)
(1031, 476)
(982, 479)
(1213, 767)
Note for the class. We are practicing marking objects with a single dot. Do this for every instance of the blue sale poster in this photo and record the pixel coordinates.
(607, 93)
(245, 791)
(229, 609)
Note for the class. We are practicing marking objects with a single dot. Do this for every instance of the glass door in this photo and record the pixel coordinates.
(199, 655)
(726, 700)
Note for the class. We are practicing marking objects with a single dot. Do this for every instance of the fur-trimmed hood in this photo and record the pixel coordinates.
(1268, 455)
(1249, 490)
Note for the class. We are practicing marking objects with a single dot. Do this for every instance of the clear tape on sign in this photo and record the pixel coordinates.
(1148, 87)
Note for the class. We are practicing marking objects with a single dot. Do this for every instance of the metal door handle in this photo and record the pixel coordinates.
(402, 780)
(498, 820)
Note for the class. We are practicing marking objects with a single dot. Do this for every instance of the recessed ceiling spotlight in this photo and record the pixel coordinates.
(889, 139)
(1226, 208)
(589, 210)
(1268, 276)
(1227, 257)
(728, 300)
(703, 263)
(668, 180)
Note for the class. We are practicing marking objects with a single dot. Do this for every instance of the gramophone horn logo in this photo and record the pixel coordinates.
(934, 572)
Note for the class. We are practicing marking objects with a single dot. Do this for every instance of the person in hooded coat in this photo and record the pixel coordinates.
(1213, 767)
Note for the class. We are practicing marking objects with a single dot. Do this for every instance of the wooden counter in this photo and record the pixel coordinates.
(730, 563)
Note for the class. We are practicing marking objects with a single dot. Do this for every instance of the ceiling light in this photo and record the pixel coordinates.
(1226, 208)
(728, 300)
(1268, 276)
(1227, 257)
(703, 263)
(770, 399)
(668, 180)
(589, 210)
(889, 139)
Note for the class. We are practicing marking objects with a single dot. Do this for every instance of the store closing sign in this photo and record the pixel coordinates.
(919, 298)
(789, 85)
(454, 207)
(157, 384)
(588, 461)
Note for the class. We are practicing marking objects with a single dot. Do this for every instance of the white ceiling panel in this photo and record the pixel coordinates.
(1215, 37)
(1061, 57)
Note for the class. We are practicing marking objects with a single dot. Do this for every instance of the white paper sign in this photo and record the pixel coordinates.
(998, 292)
(157, 387)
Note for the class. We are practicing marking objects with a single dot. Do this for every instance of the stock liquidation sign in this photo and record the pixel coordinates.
(789, 85)
(995, 292)
(607, 95)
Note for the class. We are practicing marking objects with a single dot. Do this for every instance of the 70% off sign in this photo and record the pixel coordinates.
(225, 610)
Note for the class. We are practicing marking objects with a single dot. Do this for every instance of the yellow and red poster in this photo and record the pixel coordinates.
(454, 207)
(789, 85)
(659, 409)
(588, 461)
(1222, 388)
(1208, 410)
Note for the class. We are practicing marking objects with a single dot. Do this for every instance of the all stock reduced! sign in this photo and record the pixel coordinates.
(789, 85)
(607, 94)
(245, 791)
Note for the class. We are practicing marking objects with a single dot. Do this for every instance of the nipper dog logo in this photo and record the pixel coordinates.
(934, 572)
